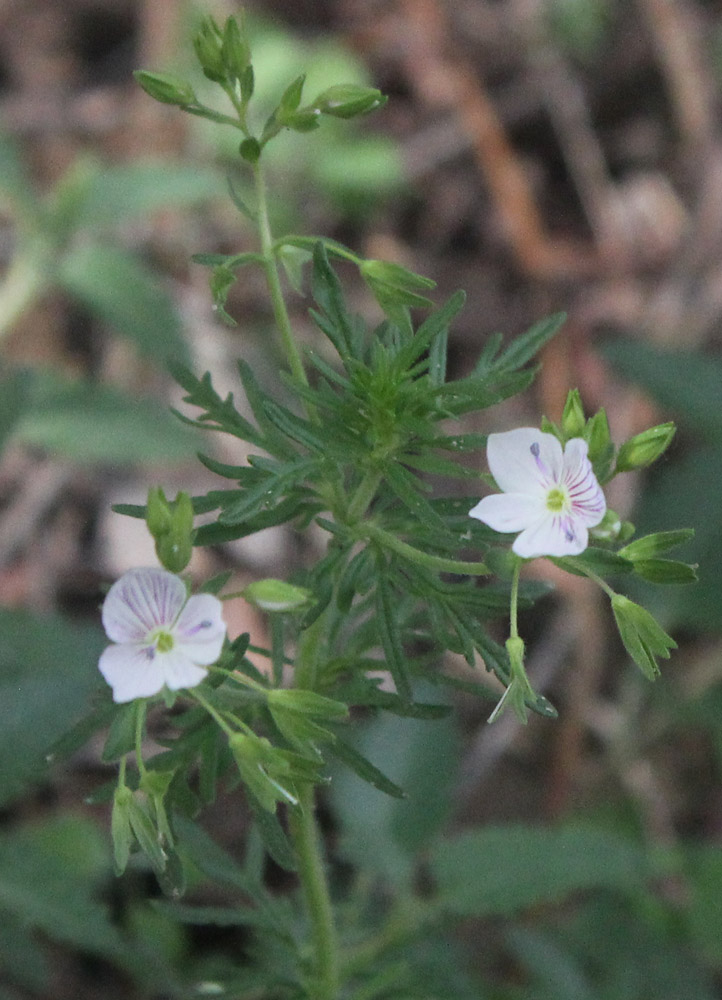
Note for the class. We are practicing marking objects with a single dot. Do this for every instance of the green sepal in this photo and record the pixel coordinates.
(601, 448)
(291, 98)
(651, 546)
(395, 288)
(235, 51)
(347, 100)
(146, 833)
(166, 88)
(643, 449)
(208, 45)
(303, 120)
(157, 512)
(293, 259)
(120, 830)
(666, 571)
(221, 281)
(573, 421)
(600, 561)
(642, 636)
(307, 703)
(277, 596)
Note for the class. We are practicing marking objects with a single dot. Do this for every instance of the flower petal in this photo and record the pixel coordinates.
(524, 460)
(140, 601)
(179, 671)
(131, 671)
(509, 511)
(200, 629)
(585, 493)
(552, 535)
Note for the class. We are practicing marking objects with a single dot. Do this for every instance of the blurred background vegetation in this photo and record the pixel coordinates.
(541, 154)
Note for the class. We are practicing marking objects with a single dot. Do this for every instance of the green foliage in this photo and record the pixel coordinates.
(359, 443)
(47, 679)
(114, 285)
(92, 423)
(506, 869)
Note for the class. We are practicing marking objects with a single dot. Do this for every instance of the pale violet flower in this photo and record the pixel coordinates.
(164, 638)
(550, 496)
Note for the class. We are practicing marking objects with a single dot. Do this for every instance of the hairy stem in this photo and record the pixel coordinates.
(307, 844)
(293, 356)
(440, 563)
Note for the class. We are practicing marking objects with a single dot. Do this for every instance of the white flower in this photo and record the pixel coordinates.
(164, 638)
(551, 496)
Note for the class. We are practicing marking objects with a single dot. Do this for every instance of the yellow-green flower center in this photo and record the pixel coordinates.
(164, 641)
(556, 500)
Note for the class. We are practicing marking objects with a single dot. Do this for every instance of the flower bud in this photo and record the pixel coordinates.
(346, 100)
(235, 50)
(208, 44)
(250, 150)
(166, 88)
(171, 525)
(573, 416)
(175, 548)
(303, 120)
(609, 528)
(157, 512)
(394, 286)
(276, 595)
(599, 440)
(643, 449)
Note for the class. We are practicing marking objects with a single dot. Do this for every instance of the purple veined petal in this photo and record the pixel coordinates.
(552, 535)
(140, 601)
(131, 672)
(524, 460)
(585, 493)
(200, 629)
(179, 671)
(509, 511)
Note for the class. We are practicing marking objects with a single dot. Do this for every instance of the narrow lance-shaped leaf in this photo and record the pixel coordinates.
(363, 767)
(390, 637)
(525, 347)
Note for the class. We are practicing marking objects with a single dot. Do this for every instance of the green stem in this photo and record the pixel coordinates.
(140, 712)
(273, 280)
(307, 844)
(514, 601)
(599, 581)
(440, 563)
(223, 725)
(364, 495)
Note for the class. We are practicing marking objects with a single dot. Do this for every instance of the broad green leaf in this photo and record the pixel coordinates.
(119, 193)
(92, 423)
(502, 870)
(384, 832)
(46, 884)
(115, 286)
(48, 671)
